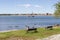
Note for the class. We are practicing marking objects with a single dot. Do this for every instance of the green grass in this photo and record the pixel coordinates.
(42, 32)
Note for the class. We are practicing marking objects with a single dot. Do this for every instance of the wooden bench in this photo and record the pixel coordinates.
(49, 27)
(31, 29)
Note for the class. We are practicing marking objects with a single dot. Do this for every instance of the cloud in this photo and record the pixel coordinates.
(25, 5)
(29, 5)
(37, 6)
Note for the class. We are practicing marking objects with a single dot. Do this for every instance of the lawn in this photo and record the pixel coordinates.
(42, 33)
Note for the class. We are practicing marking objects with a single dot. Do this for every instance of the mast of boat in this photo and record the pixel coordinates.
(32, 14)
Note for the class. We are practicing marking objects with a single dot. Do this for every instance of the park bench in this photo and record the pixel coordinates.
(31, 29)
(49, 27)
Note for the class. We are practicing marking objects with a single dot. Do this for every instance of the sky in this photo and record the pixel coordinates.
(27, 6)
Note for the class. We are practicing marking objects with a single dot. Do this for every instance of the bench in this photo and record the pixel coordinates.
(49, 27)
(31, 29)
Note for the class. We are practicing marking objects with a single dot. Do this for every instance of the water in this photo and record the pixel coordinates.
(19, 22)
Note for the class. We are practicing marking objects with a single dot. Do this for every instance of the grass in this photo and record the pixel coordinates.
(42, 32)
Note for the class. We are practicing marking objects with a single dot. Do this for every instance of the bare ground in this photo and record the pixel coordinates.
(53, 37)
(18, 38)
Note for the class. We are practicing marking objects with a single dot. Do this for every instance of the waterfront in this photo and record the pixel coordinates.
(20, 22)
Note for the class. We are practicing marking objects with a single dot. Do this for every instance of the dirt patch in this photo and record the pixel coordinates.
(18, 38)
(53, 37)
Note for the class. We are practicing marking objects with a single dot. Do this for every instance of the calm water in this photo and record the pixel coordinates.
(19, 22)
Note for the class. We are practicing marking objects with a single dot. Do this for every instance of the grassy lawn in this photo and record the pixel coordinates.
(42, 32)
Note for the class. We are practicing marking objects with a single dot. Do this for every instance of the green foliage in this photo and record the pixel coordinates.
(57, 11)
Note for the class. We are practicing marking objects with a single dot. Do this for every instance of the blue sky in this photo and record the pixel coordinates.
(27, 6)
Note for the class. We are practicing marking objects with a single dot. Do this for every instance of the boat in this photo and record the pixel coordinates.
(32, 16)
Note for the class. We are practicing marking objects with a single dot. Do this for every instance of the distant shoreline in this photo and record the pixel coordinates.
(26, 15)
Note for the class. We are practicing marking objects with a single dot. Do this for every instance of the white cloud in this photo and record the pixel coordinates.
(29, 5)
(37, 6)
(25, 5)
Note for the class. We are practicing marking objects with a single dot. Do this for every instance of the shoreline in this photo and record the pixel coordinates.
(26, 15)
(42, 34)
(7, 31)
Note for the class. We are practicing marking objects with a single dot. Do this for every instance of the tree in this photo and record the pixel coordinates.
(57, 11)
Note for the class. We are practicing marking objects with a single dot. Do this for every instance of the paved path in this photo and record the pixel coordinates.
(53, 37)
